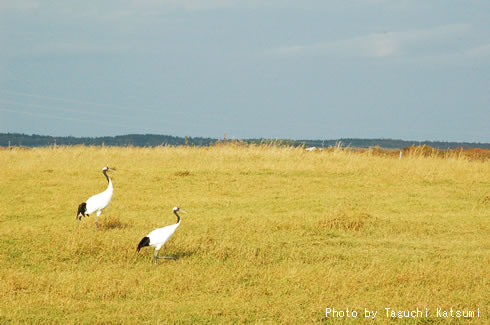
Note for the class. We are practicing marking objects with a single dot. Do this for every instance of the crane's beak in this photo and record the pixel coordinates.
(180, 210)
(113, 169)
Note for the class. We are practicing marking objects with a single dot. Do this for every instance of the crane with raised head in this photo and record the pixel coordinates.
(158, 237)
(98, 202)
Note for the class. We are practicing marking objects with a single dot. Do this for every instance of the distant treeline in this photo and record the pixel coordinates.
(153, 140)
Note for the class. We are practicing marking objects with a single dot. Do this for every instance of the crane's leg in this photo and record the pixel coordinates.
(97, 219)
(156, 257)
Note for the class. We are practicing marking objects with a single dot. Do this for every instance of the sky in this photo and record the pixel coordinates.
(307, 69)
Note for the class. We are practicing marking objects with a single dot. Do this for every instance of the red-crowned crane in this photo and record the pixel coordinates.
(98, 202)
(158, 237)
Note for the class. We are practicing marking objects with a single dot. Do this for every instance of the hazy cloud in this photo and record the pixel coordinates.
(416, 42)
(480, 51)
(18, 5)
(123, 8)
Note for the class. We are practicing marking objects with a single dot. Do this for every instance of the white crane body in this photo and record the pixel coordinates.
(97, 203)
(158, 237)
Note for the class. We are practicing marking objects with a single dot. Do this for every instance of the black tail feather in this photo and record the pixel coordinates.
(143, 243)
(82, 208)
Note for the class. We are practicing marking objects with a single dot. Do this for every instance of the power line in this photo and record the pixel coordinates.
(24, 94)
(67, 110)
(66, 118)
(48, 107)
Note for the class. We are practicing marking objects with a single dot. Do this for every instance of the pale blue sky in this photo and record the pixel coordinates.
(309, 69)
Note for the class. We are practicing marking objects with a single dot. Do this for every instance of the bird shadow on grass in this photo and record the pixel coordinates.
(174, 256)
(182, 254)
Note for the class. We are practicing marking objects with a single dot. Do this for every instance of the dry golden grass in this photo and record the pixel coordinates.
(272, 235)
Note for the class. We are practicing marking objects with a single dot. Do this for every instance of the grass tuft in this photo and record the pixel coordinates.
(113, 222)
(347, 221)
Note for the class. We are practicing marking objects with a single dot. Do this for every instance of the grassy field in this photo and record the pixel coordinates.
(272, 235)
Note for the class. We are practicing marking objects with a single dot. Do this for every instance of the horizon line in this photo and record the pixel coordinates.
(243, 139)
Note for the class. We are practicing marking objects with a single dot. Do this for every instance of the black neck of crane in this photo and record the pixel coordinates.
(105, 171)
(178, 217)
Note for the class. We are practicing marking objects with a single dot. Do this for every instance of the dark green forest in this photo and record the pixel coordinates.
(153, 140)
